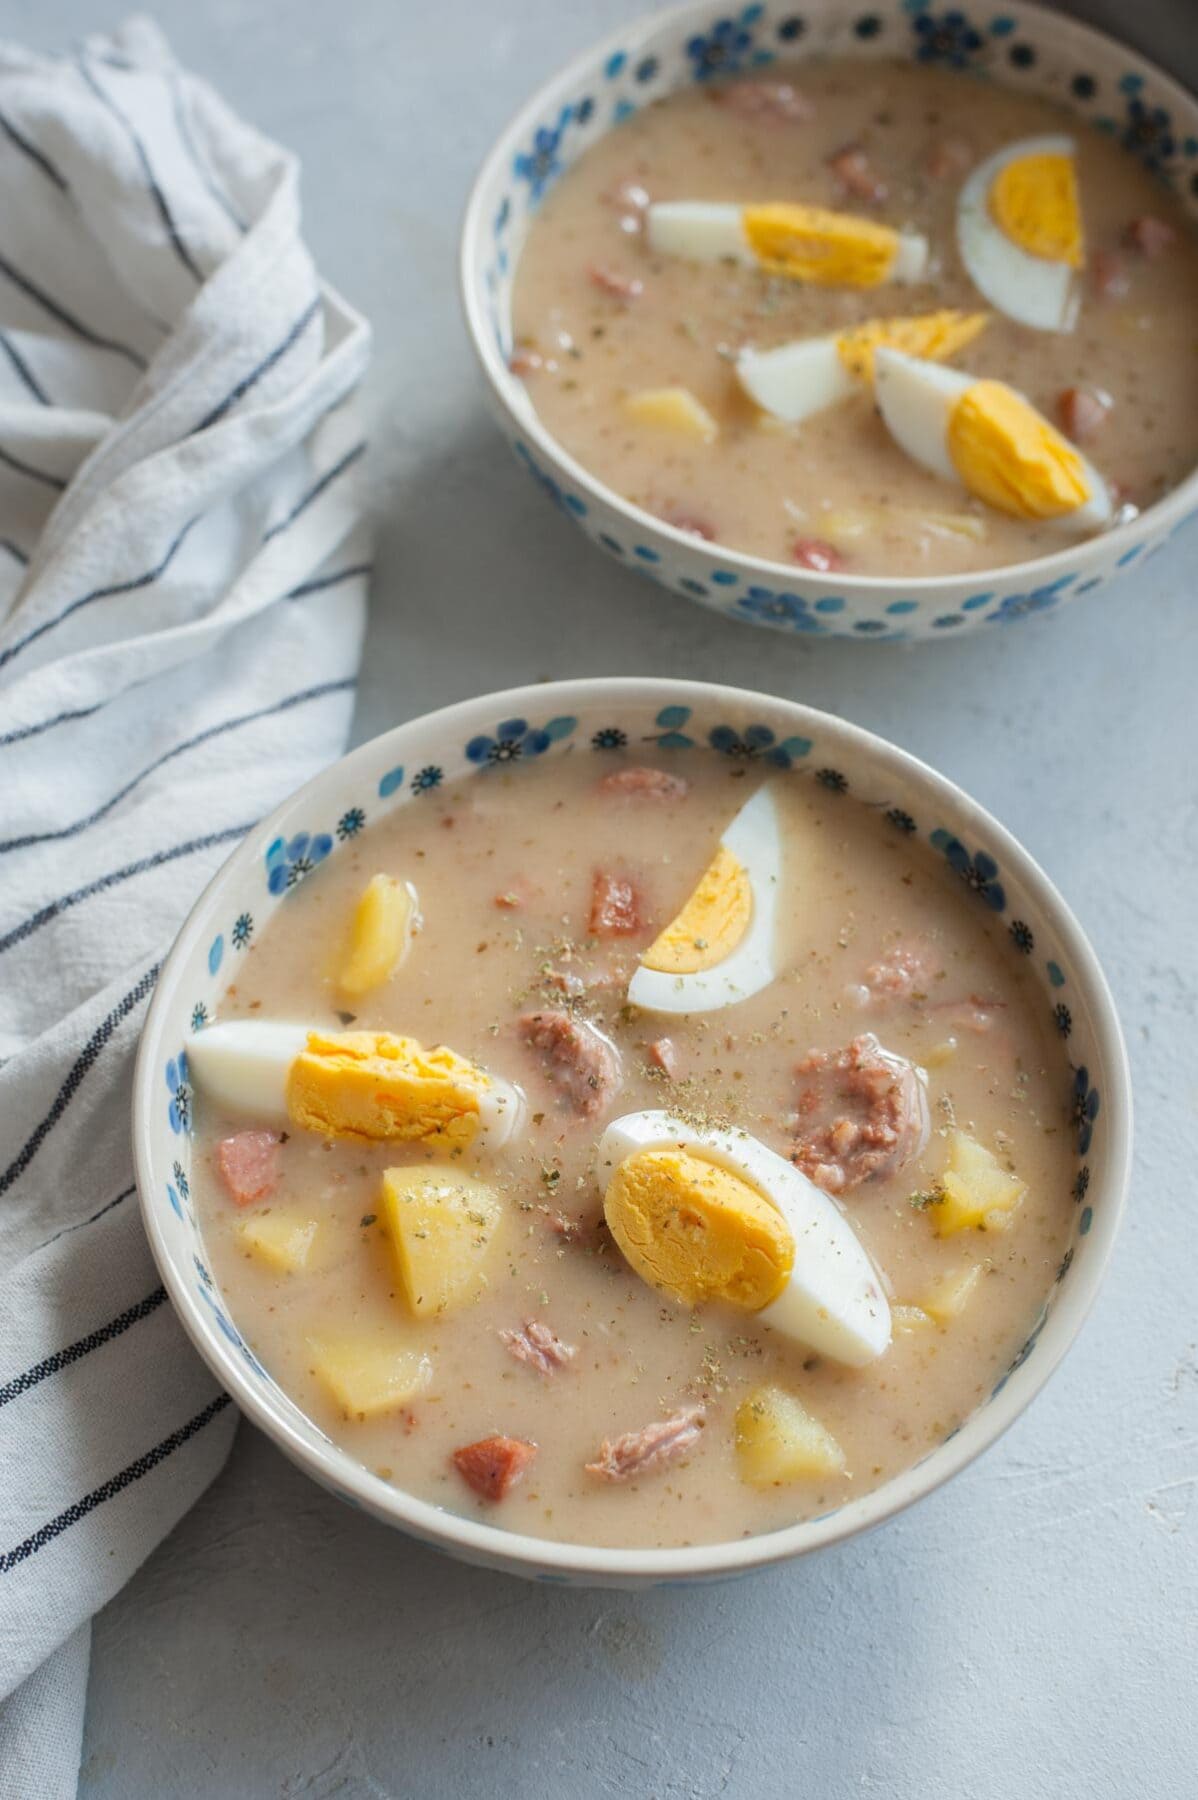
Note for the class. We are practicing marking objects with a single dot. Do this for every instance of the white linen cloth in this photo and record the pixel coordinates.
(182, 593)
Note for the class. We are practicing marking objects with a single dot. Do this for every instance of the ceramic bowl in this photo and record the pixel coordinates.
(1022, 46)
(593, 719)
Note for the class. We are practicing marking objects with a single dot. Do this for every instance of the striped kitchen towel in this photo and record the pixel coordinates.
(182, 597)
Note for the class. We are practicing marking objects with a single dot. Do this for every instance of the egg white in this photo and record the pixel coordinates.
(714, 231)
(1030, 289)
(242, 1065)
(797, 380)
(754, 838)
(833, 1301)
(916, 399)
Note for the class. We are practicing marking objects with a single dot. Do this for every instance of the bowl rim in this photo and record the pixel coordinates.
(1038, 571)
(492, 1544)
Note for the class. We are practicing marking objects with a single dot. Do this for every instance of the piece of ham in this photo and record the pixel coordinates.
(615, 906)
(651, 1447)
(1082, 412)
(662, 1054)
(494, 1465)
(538, 1347)
(863, 1113)
(639, 782)
(618, 287)
(577, 1060)
(818, 554)
(1149, 237)
(248, 1165)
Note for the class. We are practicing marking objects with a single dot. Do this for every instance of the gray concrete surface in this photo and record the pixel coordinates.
(1030, 1630)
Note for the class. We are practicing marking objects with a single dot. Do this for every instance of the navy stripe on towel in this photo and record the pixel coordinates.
(156, 193)
(32, 292)
(22, 143)
(45, 1534)
(263, 368)
(24, 468)
(320, 582)
(106, 1208)
(314, 492)
(85, 1061)
(62, 1359)
(24, 372)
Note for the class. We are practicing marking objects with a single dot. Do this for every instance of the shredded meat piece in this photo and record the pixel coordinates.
(620, 287)
(638, 1451)
(578, 1060)
(857, 176)
(815, 553)
(764, 99)
(493, 1465)
(1149, 236)
(1082, 413)
(539, 1347)
(863, 1113)
(1108, 275)
(248, 1165)
(525, 362)
(949, 158)
(903, 973)
(642, 783)
(663, 1055)
(615, 906)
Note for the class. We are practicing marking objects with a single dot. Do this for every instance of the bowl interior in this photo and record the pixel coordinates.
(1022, 46)
(594, 720)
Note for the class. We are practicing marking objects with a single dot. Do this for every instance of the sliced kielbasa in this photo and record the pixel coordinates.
(493, 1465)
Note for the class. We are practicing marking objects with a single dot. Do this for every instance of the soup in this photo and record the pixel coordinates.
(765, 1186)
(642, 327)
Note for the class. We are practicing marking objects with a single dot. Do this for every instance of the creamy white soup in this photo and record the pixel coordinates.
(634, 1152)
(689, 307)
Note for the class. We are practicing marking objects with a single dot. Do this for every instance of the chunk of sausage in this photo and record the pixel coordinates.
(816, 553)
(1149, 236)
(649, 1448)
(577, 1059)
(662, 1054)
(619, 287)
(538, 1347)
(248, 1164)
(857, 176)
(493, 1465)
(639, 782)
(863, 1113)
(1082, 412)
(615, 906)
(905, 972)
(1108, 276)
(764, 100)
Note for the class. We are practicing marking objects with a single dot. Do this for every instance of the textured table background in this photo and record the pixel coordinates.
(1029, 1631)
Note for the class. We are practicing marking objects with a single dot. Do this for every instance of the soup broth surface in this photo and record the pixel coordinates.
(855, 889)
(838, 477)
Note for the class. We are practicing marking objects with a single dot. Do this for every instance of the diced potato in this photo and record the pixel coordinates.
(672, 409)
(977, 1190)
(947, 1299)
(906, 1319)
(443, 1227)
(778, 1440)
(384, 920)
(281, 1239)
(939, 1054)
(369, 1375)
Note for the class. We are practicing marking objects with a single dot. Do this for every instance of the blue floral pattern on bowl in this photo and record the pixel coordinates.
(979, 871)
(516, 738)
(288, 862)
(178, 1086)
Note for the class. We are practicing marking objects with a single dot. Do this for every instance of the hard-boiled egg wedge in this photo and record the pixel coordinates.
(989, 439)
(797, 380)
(720, 948)
(1019, 232)
(709, 1214)
(806, 243)
(355, 1084)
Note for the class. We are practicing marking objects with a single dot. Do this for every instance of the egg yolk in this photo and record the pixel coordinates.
(933, 336)
(810, 243)
(710, 925)
(1011, 457)
(1034, 202)
(698, 1231)
(368, 1084)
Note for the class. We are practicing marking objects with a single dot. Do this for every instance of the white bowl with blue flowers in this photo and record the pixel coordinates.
(1022, 46)
(595, 720)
